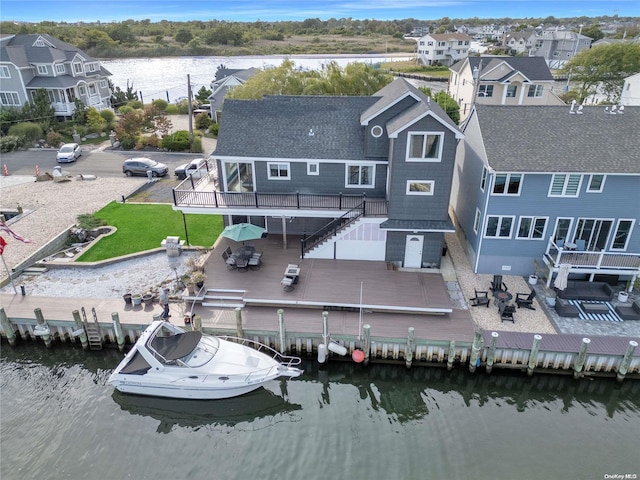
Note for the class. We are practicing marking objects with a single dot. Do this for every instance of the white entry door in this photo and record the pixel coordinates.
(413, 251)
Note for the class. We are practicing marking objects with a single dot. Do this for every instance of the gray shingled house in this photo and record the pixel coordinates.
(32, 62)
(550, 185)
(365, 178)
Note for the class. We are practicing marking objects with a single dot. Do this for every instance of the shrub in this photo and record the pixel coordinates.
(213, 129)
(171, 110)
(183, 107)
(27, 132)
(203, 121)
(127, 142)
(160, 104)
(148, 141)
(176, 142)
(125, 109)
(108, 117)
(135, 104)
(95, 122)
(88, 221)
(196, 146)
(9, 144)
(54, 139)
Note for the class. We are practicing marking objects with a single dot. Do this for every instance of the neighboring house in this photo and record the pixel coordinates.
(631, 91)
(32, 62)
(519, 43)
(530, 179)
(360, 178)
(557, 47)
(494, 32)
(502, 81)
(226, 79)
(443, 48)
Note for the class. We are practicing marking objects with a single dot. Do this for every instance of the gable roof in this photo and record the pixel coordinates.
(533, 68)
(550, 139)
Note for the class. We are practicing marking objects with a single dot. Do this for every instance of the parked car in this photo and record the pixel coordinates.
(205, 108)
(140, 166)
(193, 168)
(69, 152)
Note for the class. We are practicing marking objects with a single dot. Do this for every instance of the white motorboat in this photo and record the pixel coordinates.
(168, 361)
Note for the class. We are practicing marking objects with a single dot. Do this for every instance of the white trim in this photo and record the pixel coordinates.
(359, 164)
(379, 131)
(430, 192)
(615, 231)
(5, 72)
(365, 121)
(317, 169)
(278, 177)
(476, 221)
(532, 228)
(483, 178)
(61, 68)
(240, 159)
(42, 69)
(569, 230)
(500, 220)
(425, 135)
(506, 185)
(564, 188)
(604, 179)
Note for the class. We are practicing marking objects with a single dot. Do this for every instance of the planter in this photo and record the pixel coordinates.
(147, 299)
(533, 279)
(191, 288)
(136, 299)
(551, 301)
(623, 296)
(127, 298)
(199, 285)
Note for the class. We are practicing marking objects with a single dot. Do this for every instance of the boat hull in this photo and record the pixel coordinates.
(168, 391)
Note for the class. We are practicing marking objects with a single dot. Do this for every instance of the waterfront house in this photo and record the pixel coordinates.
(550, 185)
(519, 43)
(32, 62)
(557, 46)
(226, 79)
(502, 80)
(360, 178)
(631, 90)
(443, 48)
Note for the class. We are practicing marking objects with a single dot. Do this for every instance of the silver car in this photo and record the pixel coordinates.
(140, 166)
(69, 152)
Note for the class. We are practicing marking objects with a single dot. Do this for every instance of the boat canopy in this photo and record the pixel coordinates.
(176, 346)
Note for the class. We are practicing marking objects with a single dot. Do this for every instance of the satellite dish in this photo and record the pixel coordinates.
(621, 109)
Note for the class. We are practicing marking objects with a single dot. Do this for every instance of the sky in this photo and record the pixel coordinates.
(298, 10)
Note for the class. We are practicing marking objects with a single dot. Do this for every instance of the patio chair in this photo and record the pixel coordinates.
(242, 265)
(287, 284)
(498, 284)
(560, 243)
(580, 245)
(481, 298)
(230, 260)
(255, 263)
(526, 301)
(506, 312)
(228, 251)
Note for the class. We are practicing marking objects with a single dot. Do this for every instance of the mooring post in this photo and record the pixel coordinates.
(7, 327)
(283, 349)
(117, 328)
(410, 344)
(533, 354)
(474, 361)
(42, 329)
(79, 332)
(491, 356)
(325, 329)
(239, 330)
(366, 342)
(197, 323)
(452, 355)
(626, 360)
(582, 354)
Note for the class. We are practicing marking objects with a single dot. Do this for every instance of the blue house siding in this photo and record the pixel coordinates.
(379, 147)
(431, 248)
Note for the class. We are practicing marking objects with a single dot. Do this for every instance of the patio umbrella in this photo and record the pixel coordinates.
(563, 276)
(241, 232)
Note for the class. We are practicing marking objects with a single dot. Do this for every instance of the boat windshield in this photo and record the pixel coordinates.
(203, 353)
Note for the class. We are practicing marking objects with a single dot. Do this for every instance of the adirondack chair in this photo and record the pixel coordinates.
(481, 298)
(506, 313)
(498, 284)
(526, 300)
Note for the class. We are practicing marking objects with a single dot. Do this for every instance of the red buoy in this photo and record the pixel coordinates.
(358, 356)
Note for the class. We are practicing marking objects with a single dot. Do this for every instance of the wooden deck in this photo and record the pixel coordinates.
(324, 284)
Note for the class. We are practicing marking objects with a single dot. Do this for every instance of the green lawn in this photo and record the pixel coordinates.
(143, 227)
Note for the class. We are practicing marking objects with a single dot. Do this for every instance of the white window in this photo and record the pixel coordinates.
(532, 228)
(82, 90)
(564, 185)
(278, 171)
(103, 83)
(622, 235)
(485, 91)
(4, 72)
(60, 68)
(535, 90)
(92, 67)
(424, 147)
(430, 44)
(498, 227)
(439, 52)
(376, 131)
(313, 169)
(483, 179)
(507, 184)
(420, 187)
(511, 91)
(596, 184)
(360, 176)
(42, 69)
(92, 89)
(77, 67)
(9, 99)
(476, 221)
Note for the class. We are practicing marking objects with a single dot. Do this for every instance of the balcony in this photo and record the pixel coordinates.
(590, 262)
(198, 194)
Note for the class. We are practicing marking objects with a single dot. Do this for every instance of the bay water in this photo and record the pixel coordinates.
(59, 419)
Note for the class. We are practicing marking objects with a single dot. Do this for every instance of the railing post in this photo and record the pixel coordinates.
(215, 197)
(364, 204)
(303, 242)
(298, 200)
(193, 185)
(175, 199)
(255, 194)
(340, 201)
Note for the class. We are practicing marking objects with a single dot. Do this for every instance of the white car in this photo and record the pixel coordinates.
(68, 152)
(196, 168)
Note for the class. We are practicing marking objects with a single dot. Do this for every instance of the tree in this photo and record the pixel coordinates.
(39, 110)
(119, 98)
(183, 36)
(593, 31)
(79, 112)
(203, 95)
(603, 69)
(95, 122)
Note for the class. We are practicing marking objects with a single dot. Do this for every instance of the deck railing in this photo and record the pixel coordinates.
(307, 242)
(588, 260)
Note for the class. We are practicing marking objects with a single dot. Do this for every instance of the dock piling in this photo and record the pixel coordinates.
(239, 330)
(533, 354)
(7, 327)
(366, 342)
(474, 361)
(582, 355)
(626, 360)
(79, 331)
(42, 329)
(408, 357)
(281, 330)
(117, 328)
(452, 355)
(491, 356)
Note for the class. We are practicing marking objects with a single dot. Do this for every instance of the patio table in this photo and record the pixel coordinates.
(501, 296)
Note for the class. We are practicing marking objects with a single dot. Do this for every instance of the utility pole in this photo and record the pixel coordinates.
(190, 111)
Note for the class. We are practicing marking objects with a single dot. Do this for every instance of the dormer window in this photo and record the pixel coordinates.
(77, 68)
(424, 147)
(60, 68)
(42, 69)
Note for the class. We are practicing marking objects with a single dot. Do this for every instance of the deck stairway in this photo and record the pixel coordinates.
(223, 298)
(327, 233)
(92, 329)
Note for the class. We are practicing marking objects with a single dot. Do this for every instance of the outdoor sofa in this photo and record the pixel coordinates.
(565, 309)
(582, 290)
(629, 312)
